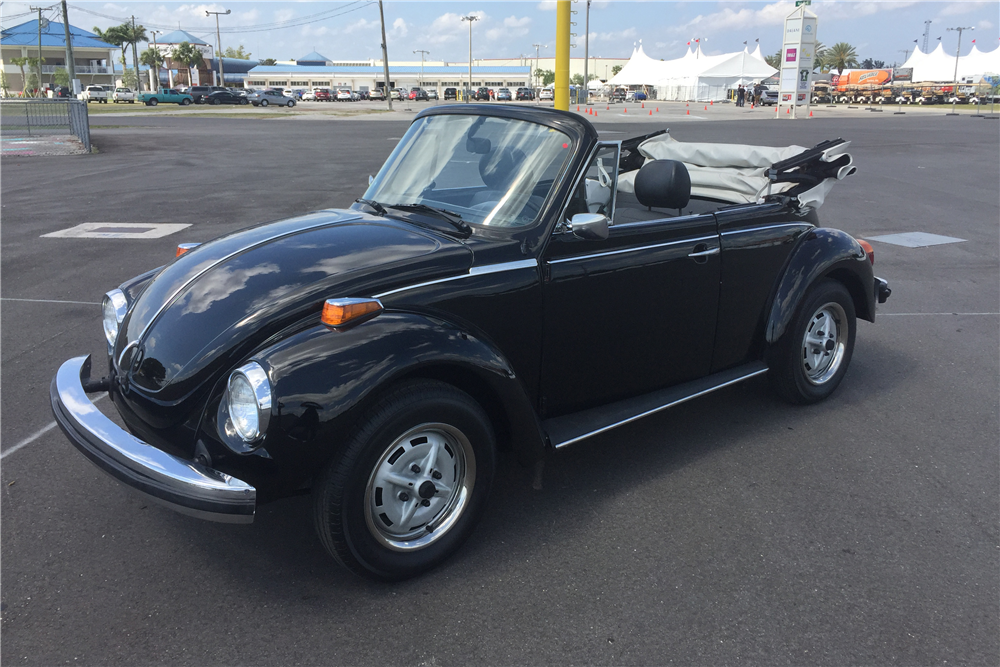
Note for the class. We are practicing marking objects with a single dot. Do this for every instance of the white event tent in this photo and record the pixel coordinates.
(940, 66)
(694, 76)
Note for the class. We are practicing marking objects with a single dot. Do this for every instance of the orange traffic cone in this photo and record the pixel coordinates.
(788, 110)
(711, 103)
(706, 107)
(607, 107)
(625, 110)
(643, 105)
(657, 109)
(595, 113)
(810, 114)
(689, 112)
(577, 107)
(650, 112)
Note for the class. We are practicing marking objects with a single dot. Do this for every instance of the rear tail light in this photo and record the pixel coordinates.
(869, 250)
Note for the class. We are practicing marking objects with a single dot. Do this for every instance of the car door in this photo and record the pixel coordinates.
(630, 313)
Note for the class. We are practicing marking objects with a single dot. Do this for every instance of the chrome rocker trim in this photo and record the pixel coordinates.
(183, 486)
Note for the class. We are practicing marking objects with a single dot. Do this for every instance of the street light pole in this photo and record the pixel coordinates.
(470, 19)
(422, 54)
(586, 56)
(218, 43)
(155, 84)
(537, 47)
(958, 51)
(385, 59)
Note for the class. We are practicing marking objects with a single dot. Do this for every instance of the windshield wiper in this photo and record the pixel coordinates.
(373, 204)
(448, 216)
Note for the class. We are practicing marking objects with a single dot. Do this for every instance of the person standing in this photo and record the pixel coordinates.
(756, 94)
(741, 94)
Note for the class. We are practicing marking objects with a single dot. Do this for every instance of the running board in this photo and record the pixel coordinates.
(568, 429)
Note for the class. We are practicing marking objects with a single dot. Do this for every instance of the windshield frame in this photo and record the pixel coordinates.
(581, 134)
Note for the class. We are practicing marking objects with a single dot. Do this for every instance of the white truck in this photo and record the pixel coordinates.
(123, 95)
(93, 94)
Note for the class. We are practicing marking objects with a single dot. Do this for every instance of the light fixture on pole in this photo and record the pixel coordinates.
(958, 51)
(471, 18)
(422, 54)
(537, 47)
(155, 81)
(218, 42)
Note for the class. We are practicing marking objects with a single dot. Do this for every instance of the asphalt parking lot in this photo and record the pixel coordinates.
(731, 530)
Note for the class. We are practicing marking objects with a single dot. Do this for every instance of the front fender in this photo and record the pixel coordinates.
(323, 379)
(820, 253)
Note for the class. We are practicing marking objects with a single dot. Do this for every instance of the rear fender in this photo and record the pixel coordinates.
(822, 253)
(322, 381)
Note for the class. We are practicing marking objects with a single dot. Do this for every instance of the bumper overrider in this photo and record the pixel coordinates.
(184, 486)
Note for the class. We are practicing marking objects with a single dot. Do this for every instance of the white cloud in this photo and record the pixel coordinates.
(984, 25)
(450, 27)
(399, 28)
(547, 5)
(614, 36)
(512, 27)
(959, 8)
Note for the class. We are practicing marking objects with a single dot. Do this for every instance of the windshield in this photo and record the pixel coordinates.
(490, 171)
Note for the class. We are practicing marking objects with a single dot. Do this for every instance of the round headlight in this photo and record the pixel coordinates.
(114, 306)
(249, 400)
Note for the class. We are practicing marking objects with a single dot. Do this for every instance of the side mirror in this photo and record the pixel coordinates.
(589, 226)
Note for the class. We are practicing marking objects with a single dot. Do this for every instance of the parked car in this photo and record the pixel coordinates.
(504, 94)
(265, 98)
(450, 94)
(640, 96)
(93, 94)
(309, 96)
(123, 95)
(344, 95)
(768, 96)
(376, 94)
(199, 93)
(546, 94)
(432, 94)
(225, 97)
(396, 94)
(322, 95)
(418, 94)
(525, 94)
(482, 94)
(380, 355)
(165, 96)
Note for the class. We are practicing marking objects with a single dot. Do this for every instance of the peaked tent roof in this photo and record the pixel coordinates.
(641, 69)
(178, 36)
(940, 66)
(54, 34)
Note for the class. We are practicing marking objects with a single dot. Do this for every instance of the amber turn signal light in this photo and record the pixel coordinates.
(184, 247)
(338, 312)
(869, 250)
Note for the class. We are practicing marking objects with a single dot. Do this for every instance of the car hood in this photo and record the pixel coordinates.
(212, 307)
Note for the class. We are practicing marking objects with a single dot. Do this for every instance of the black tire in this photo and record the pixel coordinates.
(348, 495)
(153, 102)
(803, 370)
(216, 102)
(263, 103)
(244, 102)
(185, 102)
(291, 103)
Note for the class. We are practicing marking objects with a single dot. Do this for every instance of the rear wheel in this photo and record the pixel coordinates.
(812, 356)
(291, 103)
(410, 484)
(216, 102)
(244, 102)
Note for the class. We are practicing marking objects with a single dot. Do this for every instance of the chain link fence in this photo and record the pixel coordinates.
(22, 120)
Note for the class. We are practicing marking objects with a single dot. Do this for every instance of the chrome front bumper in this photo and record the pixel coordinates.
(184, 486)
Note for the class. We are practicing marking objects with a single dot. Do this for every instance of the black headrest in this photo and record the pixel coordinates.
(498, 168)
(663, 184)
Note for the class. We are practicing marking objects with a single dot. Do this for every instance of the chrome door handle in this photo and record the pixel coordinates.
(705, 253)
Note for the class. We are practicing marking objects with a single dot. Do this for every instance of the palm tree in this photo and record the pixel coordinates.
(819, 57)
(841, 56)
(187, 55)
(115, 36)
(775, 60)
(134, 35)
(152, 59)
(21, 62)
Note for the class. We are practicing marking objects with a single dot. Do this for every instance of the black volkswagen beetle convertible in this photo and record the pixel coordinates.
(508, 280)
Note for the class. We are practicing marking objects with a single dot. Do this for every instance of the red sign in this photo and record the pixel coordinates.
(834, 79)
(790, 55)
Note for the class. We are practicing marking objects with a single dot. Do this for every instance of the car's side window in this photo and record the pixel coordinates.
(596, 191)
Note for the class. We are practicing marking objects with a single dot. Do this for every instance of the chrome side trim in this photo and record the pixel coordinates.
(184, 486)
(671, 404)
(474, 271)
(636, 249)
(760, 229)
(169, 300)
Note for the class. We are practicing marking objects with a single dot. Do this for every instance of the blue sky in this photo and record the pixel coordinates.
(350, 30)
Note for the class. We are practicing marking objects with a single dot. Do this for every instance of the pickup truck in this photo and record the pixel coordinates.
(165, 95)
(123, 95)
(93, 94)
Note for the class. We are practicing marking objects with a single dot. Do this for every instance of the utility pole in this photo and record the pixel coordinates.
(155, 83)
(537, 47)
(218, 42)
(471, 19)
(906, 55)
(422, 54)
(927, 33)
(39, 10)
(135, 59)
(586, 57)
(958, 52)
(385, 58)
(70, 63)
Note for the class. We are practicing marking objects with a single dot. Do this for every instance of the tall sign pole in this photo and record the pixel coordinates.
(472, 18)
(797, 60)
(561, 97)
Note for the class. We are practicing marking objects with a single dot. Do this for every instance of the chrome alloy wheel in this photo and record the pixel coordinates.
(824, 343)
(420, 486)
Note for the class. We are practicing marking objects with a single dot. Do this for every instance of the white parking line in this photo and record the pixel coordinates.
(83, 303)
(910, 314)
(39, 433)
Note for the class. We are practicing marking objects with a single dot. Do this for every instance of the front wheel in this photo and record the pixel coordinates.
(410, 484)
(185, 103)
(263, 103)
(244, 102)
(812, 356)
(216, 102)
(153, 102)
